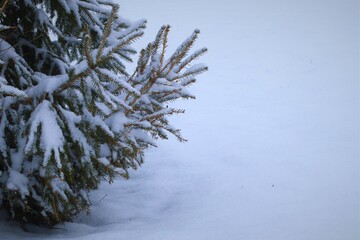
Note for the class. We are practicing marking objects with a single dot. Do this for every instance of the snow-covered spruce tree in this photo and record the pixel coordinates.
(70, 114)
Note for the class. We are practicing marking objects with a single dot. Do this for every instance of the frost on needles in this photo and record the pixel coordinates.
(70, 114)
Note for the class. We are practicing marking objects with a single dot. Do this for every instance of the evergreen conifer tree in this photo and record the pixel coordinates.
(70, 114)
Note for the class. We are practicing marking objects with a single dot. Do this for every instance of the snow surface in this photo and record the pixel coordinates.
(274, 135)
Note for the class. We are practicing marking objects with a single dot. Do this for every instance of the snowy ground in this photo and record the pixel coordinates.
(274, 136)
